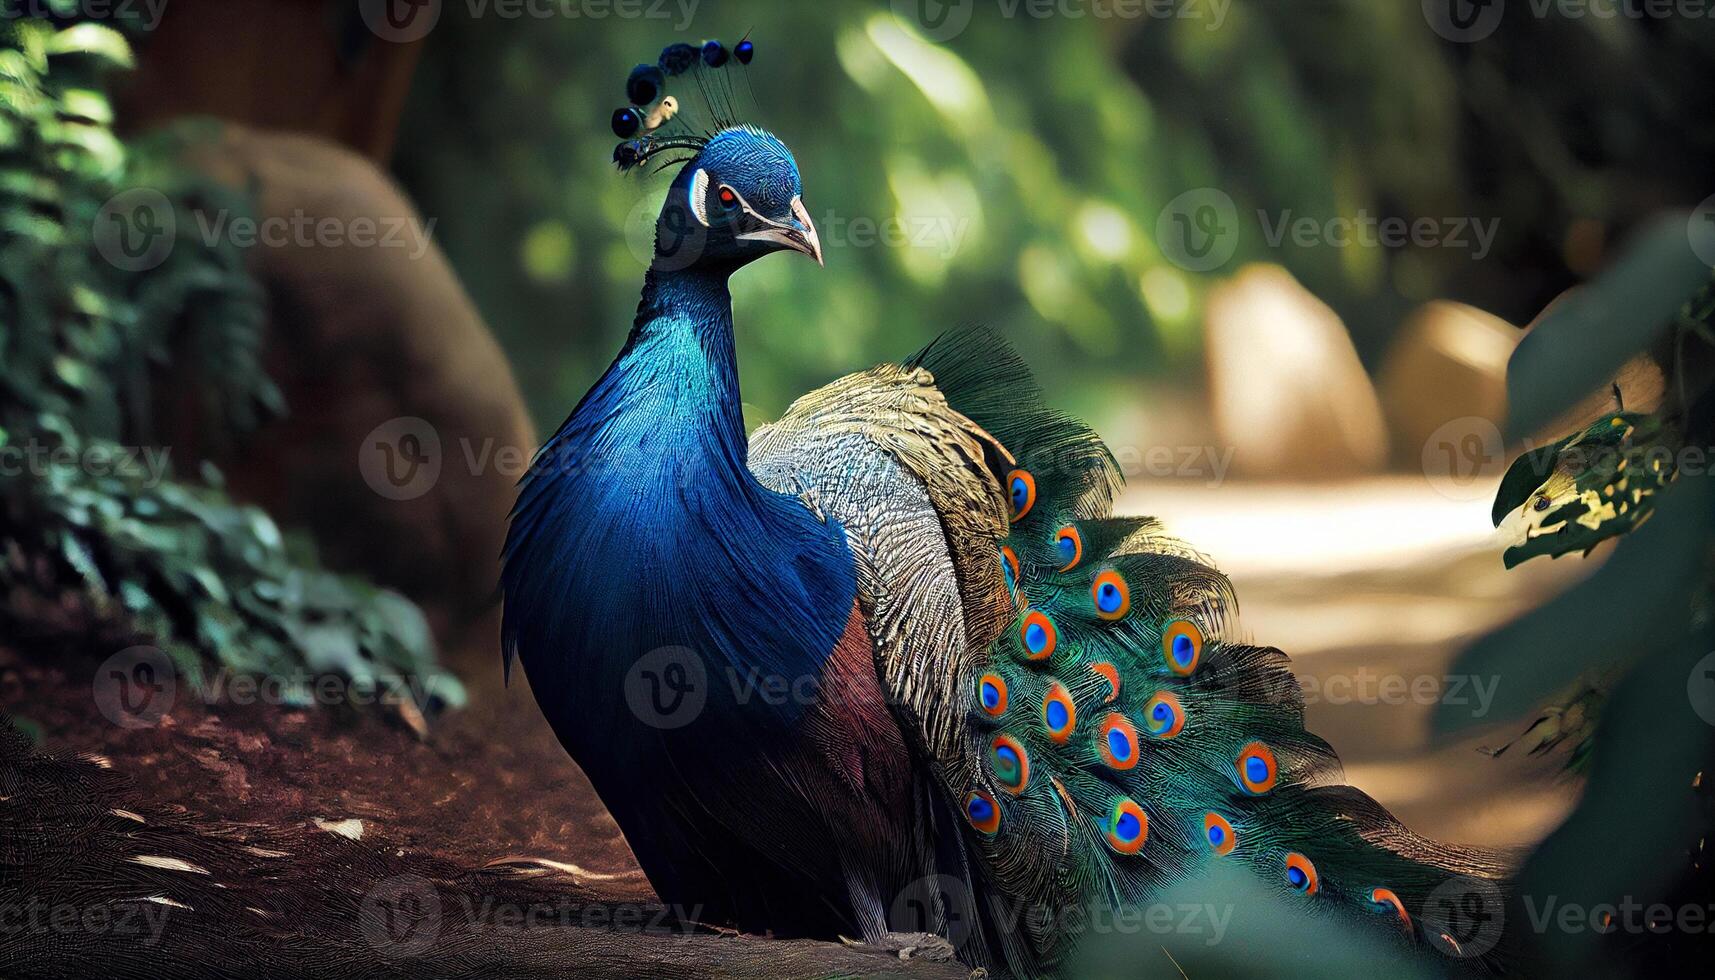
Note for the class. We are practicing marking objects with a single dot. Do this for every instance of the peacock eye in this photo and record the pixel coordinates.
(728, 199)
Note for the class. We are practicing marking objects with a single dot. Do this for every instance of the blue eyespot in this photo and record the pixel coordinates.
(744, 52)
(991, 696)
(1035, 637)
(1020, 493)
(1182, 650)
(1127, 827)
(979, 809)
(1297, 877)
(1216, 834)
(1057, 717)
(714, 54)
(1108, 597)
(1068, 548)
(1256, 769)
(1119, 744)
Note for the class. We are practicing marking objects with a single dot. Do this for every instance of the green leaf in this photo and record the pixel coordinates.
(103, 43)
(1584, 339)
(1638, 601)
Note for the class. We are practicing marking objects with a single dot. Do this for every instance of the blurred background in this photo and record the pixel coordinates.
(1278, 252)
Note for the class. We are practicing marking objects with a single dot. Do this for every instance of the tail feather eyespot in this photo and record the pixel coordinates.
(1219, 833)
(983, 813)
(1070, 545)
(1038, 635)
(1385, 900)
(1163, 715)
(1111, 595)
(1011, 764)
(1256, 768)
(1111, 674)
(1021, 491)
(1059, 714)
(1127, 827)
(1301, 874)
(1116, 741)
(1182, 646)
(991, 695)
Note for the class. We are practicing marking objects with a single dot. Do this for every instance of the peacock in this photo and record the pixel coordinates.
(891, 662)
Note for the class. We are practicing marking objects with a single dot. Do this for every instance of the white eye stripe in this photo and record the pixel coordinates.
(700, 196)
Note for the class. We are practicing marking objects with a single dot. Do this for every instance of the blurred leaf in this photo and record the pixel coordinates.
(1586, 336)
(1639, 601)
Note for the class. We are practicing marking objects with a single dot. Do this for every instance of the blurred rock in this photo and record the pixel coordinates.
(1289, 394)
(1449, 363)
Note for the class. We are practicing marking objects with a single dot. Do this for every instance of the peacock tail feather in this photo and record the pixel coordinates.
(1125, 738)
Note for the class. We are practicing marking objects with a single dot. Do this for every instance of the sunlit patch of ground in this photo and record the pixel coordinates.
(1373, 587)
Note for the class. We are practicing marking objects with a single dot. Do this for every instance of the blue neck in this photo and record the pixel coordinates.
(641, 526)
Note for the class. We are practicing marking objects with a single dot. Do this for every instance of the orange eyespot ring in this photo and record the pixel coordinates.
(1127, 827)
(1386, 901)
(1038, 635)
(1301, 874)
(983, 813)
(1110, 594)
(1111, 674)
(991, 695)
(1163, 715)
(1256, 768)
(1011, 764)
(1021, 490)
(1116, 741)
(1059, 714)
(1182, 647)
(1010, 557)
(1219, 833)
(1071, 546)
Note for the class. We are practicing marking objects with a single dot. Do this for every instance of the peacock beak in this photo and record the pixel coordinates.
(802, 234)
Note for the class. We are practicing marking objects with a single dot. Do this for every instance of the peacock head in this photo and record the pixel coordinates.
(739, 199)
(738, 195)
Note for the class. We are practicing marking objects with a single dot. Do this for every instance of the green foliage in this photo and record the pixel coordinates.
(87, 503)
(1640, 624)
